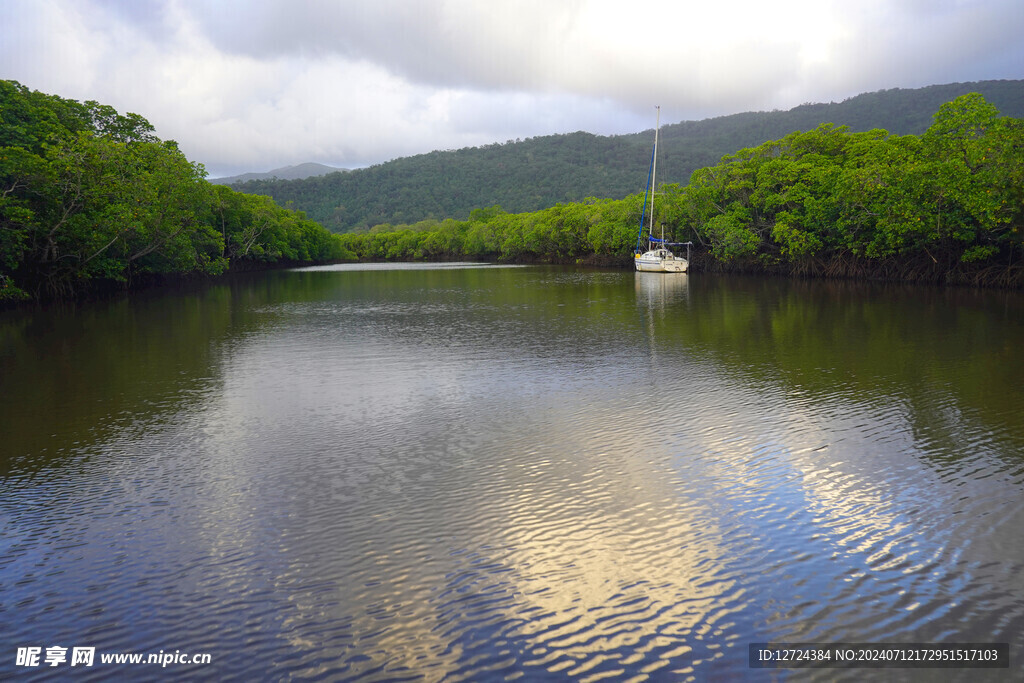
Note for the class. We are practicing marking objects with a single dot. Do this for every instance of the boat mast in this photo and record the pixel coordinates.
(654, 170)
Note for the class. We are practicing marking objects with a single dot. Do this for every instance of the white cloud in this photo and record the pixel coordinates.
(263, 83)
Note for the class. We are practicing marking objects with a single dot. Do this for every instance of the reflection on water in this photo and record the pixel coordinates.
(473, 473)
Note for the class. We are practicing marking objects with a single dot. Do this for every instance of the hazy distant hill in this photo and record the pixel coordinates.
(539, 172)
(297, 172)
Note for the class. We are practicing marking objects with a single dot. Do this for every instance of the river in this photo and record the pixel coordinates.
(470, 472)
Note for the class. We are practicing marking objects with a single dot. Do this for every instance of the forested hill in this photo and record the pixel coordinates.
(539, 172)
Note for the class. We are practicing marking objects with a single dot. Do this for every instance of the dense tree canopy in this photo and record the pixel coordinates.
(934, 202)
(88, 195)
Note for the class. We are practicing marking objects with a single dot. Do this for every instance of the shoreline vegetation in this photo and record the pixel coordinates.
(945, 207)
(92, 200)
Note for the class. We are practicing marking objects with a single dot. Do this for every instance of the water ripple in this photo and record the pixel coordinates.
(403, 478)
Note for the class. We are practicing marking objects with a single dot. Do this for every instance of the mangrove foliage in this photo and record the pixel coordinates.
(89, 197)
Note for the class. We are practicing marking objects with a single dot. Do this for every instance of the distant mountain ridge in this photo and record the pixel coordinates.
(297, 172)
(539, 172)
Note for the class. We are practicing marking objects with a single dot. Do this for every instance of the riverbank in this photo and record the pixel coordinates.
(98, 290)
(925, 271)
(920, 270)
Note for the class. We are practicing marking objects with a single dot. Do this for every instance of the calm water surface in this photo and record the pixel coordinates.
(474, 473)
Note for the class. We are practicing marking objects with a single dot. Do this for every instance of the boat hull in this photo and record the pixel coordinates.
(657, 264)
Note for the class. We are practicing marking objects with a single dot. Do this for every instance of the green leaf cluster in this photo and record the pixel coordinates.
(90, 195)
(564, 233)
(951, 195)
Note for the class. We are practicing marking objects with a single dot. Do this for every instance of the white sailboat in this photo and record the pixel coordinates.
(658, 258)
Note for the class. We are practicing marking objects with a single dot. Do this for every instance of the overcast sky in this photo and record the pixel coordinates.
(257, 84)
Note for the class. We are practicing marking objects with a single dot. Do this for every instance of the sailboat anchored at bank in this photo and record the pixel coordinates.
(658, 258)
